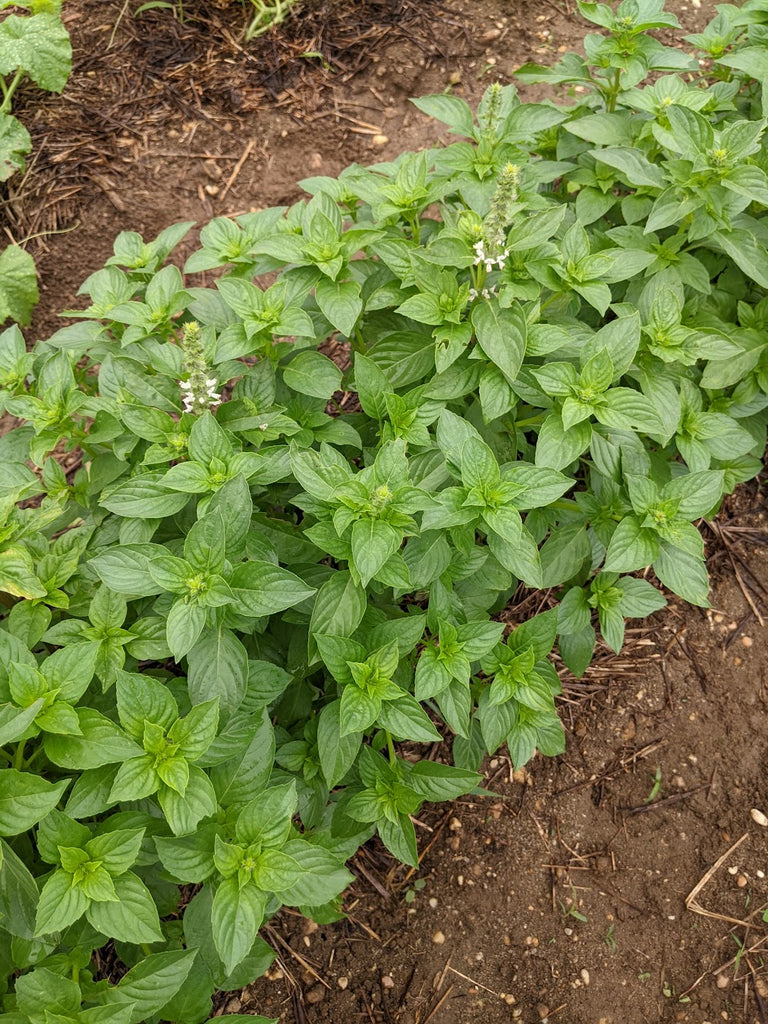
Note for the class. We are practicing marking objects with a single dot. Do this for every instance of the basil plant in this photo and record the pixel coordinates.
(258, 618)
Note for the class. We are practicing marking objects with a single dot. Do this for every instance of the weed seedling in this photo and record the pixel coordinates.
(569, 908)
(267, 16)
(410, 892)
(656, 787)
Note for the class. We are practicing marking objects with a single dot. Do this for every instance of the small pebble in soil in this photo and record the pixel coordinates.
(741, 881)
(454, 825)
(433, 901)
(760, 874)
(508, 998)
(342, 982)
(723, 981)
(584, 975)
(379, 140)
(543, 1011)
(746, 641)
(315, 995)
(387, 981)
(758, 817)
(438, 938)
(732, 870)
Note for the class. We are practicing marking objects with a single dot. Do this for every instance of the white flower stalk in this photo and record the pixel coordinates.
(199, 389)
(491, 251)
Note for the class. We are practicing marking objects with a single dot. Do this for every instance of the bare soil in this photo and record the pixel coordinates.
(564, 896)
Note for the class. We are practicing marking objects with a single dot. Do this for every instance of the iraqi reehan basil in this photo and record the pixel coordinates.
(537, 354)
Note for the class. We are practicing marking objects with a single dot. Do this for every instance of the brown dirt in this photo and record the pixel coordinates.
(563, 897)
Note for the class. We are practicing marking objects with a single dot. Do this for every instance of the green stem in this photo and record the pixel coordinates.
(614, 92)
(18, 757)
(358, 342)
(479, 274)
(564, 505)
(548, 302)
(75, 973)
(415, 229)
(391, 748)
(9, 90)
(532, 421)
(146, 949)
(33, 757)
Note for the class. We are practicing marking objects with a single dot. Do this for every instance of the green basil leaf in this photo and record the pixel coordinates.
(152, 982)
(143, 497)
(261, 588)
(25, 799)
(217, 666)
(311, 373)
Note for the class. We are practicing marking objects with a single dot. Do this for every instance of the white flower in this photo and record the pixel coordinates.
(486, 293)
(192, 400)
(487, 259)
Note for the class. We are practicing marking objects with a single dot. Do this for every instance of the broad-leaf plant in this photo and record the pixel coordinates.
(34, 46)
(308, 482)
